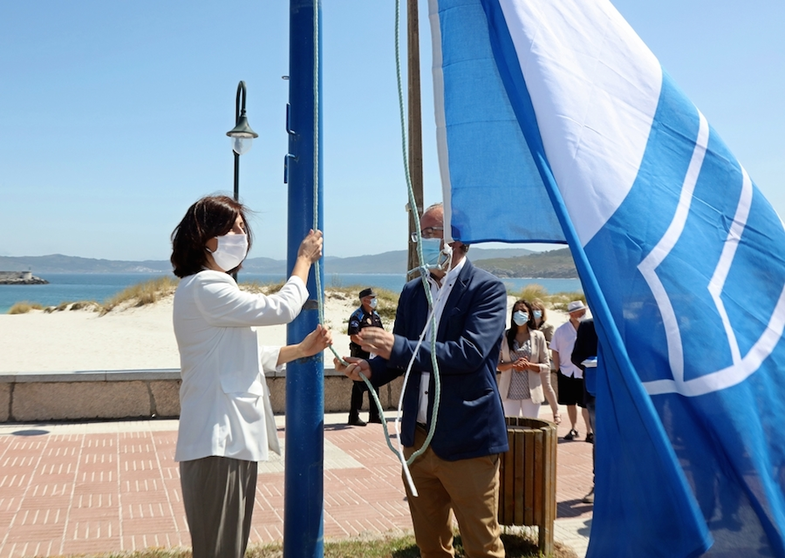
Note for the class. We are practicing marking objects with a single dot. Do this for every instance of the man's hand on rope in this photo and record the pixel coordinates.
(376, 340)
(355, 366)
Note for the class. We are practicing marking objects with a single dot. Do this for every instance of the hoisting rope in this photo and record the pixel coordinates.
(430, 324)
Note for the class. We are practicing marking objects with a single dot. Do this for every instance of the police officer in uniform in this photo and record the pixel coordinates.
(364, 316)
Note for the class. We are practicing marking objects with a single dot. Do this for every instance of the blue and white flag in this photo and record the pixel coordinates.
(556, 123)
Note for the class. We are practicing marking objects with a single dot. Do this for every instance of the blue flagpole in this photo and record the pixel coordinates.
(304, 448)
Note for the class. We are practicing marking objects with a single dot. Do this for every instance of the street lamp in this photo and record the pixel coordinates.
(242, 135)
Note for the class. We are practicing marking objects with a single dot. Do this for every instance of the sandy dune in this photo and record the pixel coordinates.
(130, 339)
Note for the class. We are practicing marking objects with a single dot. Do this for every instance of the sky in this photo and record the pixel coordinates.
(114, 115)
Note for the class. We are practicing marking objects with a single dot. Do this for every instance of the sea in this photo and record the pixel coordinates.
(73, 287)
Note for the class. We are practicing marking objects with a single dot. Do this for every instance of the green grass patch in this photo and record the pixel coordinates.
(401, 546)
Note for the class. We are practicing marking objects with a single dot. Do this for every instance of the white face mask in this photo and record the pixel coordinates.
(372, 303)
(520, 318)
(231, 250)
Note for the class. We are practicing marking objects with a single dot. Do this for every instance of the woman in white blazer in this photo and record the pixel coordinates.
(226, 421)
(523, 358)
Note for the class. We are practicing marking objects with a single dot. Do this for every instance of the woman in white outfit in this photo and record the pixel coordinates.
(226, 421)
(523, 358)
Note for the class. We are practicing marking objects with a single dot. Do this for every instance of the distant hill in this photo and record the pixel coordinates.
(504, 262)
(554, 264)
(58, 263)
(396, 261)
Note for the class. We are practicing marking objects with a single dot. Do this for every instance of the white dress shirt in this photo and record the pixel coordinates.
(562, 342)
(439, 295)
(224, 402)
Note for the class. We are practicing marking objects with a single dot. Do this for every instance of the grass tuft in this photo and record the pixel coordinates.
(557, 301)
(24, 307)
(534, 292)
(261, 288)
(142, 294)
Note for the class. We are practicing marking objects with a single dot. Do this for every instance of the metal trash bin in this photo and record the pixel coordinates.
(527, 476)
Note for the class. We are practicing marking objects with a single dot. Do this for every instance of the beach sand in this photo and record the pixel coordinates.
(135, 338)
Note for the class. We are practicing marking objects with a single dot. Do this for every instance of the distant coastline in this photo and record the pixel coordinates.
(76, 287)
(502, 262)
(20, 278)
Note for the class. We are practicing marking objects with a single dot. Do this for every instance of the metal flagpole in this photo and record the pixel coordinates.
(304, 447)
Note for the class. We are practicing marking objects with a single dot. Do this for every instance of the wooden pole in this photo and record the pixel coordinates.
(415, 124)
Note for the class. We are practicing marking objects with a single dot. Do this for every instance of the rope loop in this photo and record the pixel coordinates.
(431, 322)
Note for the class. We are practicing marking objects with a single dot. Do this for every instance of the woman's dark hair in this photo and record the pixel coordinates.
(211, 216)
(531, 324)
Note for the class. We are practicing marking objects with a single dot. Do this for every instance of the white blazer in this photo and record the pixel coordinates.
(224, 401)
(539, 355)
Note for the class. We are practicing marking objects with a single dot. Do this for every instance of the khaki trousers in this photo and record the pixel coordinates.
(467, 487)
(218, 496)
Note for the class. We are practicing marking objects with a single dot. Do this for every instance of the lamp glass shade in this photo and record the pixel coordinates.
(241, 145)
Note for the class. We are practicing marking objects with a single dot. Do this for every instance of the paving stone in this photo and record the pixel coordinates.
(110, 487)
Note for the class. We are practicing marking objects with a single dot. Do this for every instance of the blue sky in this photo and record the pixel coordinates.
(114, 114)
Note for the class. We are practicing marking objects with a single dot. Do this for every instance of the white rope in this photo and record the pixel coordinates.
(423, 269)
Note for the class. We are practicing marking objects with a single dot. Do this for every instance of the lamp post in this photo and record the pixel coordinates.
(242, 135)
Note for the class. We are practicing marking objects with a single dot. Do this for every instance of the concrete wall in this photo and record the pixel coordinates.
(139, 393)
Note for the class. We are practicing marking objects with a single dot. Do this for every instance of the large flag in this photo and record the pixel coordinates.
(556, 123)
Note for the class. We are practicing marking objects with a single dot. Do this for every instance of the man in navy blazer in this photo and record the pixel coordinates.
(460, 469)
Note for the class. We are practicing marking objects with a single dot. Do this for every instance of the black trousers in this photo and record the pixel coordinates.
(358, 388)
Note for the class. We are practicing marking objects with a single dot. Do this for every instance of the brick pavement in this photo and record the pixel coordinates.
(114, 486)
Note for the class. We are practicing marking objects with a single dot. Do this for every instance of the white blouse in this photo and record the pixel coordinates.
(224, 402)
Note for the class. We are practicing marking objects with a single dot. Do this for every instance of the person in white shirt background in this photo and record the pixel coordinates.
(226, 420)
(570, 376)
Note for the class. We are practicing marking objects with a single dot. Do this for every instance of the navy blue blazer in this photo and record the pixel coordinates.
(470, 420)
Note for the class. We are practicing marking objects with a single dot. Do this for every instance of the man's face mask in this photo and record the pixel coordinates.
(433, 255)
